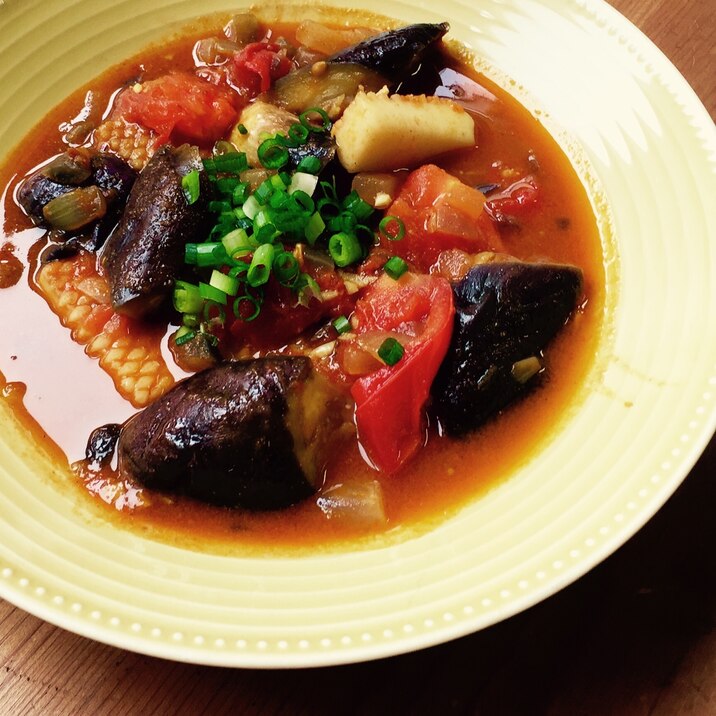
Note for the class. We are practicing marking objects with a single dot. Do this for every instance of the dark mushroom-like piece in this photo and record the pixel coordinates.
(505, 315)
(240, 434)
(386, 59)
(144, 255)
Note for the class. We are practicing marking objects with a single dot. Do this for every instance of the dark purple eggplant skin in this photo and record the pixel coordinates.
(504, 312)
(144, 255)
(102, 444)
(110, 173)
(394, 54)
(221, 437)
(321, 146)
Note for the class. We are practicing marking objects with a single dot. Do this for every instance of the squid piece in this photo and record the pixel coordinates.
(144, 255)
(241, 434)
(506, 314)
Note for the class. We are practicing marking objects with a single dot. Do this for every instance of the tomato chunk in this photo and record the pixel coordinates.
(440, 212)
(517, 201)
(418, 311)
(256, 66)
(180, 107)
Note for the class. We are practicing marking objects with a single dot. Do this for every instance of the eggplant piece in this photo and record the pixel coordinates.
(143, 257)
(321, 146)
(231, 435)
(394, 54)
(506, 313)
(385, 59)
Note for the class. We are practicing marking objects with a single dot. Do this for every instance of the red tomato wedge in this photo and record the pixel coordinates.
(180, 107)
(418, 311)
(257, 65)
(440, 212)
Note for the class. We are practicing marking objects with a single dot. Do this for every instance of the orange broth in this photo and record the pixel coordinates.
(38, 354)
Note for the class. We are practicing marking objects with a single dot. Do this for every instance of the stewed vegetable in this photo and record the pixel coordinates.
(319, 273)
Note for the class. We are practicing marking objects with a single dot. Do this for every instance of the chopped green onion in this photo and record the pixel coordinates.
(226, 185)
(217, 305)
(314, 228)
(219, 207)
(301, 181)
(264, 191)
(265, 234)
(391, 228)
(285, 267)
(361, 209)
(209, 166)
(390, 351)
(251, 207)
(190, 186)
(328, 208)
(260, 268)
(190, 320)
(305, 119)
(364, 234)
(242, 129)
(298, 133)
(183, 335)
(237, 243)
(395, 267)
(228, 284)
(210, 293)
(278, 199)
(190, 254)
(309, 165)
(231, 163)
(344, 249)
(341, 324)
(251, 301)
(272, 154)
(186, 297)
(277, 181)
(303, 201)
(240, 193)
(210, 254)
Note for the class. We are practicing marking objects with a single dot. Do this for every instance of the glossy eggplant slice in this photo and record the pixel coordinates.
(505, 315)
(394, 54)
(386, 59)
(144, 255)
(231, 435)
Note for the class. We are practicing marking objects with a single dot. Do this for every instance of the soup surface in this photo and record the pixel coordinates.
(75, 358)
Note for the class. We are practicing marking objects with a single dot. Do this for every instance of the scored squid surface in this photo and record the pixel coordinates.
(128, 351)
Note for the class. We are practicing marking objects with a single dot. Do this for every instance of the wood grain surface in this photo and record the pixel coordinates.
(634, 636)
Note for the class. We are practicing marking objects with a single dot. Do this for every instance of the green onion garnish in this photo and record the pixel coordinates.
(314, 228)
(298, 133)
(231, 163)
(305, 119)
(361, 209)
(390, 351)
(227, 284)
(183, 335)
(190, 186)
(242, 129)
(186, 297)
(210, 293)
(341, 324)
(240, 193)
(264, 191)
(391, 228)
(309, 165)
(239, 310)
(285, 267)
(219, 311)
(344, 249)
(395, 267)
(260, 268)
(272, 154)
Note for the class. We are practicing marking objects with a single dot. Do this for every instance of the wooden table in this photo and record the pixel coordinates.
(635, 636)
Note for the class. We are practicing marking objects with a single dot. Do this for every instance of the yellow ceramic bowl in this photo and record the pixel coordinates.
(646, 150)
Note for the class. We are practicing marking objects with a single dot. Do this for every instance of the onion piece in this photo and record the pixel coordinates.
(75, 209)
(71, 167)
(359, 503)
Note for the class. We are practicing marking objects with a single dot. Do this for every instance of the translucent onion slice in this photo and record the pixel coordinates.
(75, 209)
(358, 502)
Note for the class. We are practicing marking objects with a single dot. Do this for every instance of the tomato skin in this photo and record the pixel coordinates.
(180, 107)
(256, 66)
(517, 201)
(419, 312)
(440, 212)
